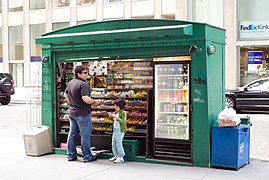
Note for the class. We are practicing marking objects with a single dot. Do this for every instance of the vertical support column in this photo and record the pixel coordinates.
(48, 16)
(127, 9)
(232, 62)
(157, 9)
(181, 10)
(26, 44)
(48, 92)
(5, 36)
(200, 101)
(99, 10)
(73, 13)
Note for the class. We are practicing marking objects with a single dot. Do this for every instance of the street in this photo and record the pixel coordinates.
(18, 118)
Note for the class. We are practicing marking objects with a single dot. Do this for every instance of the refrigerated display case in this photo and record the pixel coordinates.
(172, 101)
(171, 114)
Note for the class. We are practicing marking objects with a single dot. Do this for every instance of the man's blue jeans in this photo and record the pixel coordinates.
(82, 125)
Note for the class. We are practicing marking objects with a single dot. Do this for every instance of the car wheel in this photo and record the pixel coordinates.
(230, 102)
(5, 100)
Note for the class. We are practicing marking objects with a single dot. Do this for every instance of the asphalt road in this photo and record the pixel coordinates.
(15, 119)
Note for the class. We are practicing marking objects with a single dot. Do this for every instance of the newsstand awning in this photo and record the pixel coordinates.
(119, 35)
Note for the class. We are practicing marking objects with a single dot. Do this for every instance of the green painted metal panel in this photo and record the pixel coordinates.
(48, 95)
(208, 89)
(119, 35)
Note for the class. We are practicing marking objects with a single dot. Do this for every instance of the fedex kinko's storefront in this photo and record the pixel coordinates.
(253, 50)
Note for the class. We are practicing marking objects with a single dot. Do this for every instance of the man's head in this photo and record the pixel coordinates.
(81, 72)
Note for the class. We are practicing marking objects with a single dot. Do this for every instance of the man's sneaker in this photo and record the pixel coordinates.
(74, 159)
(119, 160)
(94, 158)
(112, 159)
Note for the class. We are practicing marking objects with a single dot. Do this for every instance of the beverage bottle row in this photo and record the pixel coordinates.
(181, 95)
(173, 83)
(173, 107)
(178, 132)
(174, 119)
(173, 70)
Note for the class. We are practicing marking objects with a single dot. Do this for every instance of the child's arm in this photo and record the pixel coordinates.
(122, 118)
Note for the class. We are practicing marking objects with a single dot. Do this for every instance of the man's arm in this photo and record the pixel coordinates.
(66, 97)
(89, 100)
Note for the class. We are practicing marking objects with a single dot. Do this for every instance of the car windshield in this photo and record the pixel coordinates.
(259, 86)
(5, 75)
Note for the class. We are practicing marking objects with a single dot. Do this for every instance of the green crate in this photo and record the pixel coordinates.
(131, 147)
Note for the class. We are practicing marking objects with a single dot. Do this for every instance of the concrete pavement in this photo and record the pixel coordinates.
(16, 165)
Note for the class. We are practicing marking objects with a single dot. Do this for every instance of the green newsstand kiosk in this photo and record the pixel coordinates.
(143, 44)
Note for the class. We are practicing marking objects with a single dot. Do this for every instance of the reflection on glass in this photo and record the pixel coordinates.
(36, 31)
(81, 2)
(15, 37)
(17, 71)
(37, 4)
(60, 25)
(84, 22)
(0, 6)
(112, 1)
(15, 5)
(60, 3)
(1, 45)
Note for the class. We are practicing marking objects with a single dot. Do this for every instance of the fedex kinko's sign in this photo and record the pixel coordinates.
(254, 29)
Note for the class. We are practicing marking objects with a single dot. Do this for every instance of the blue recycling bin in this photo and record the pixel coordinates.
(230, 146)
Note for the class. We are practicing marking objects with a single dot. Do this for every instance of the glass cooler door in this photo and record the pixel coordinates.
(172, 101)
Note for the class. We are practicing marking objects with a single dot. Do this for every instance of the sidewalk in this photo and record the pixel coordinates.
(26, 95)
(16, 165)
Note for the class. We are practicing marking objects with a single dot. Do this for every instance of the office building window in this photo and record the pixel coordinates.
(0, 6)
(36, 30)
(60, 25)
(37, 4)
(81, 2)
(15, 5)
(60, 3)
(17, 71)
(111, 1)
(15, 37)
(84, 22)
(1, 45)
(250, 10)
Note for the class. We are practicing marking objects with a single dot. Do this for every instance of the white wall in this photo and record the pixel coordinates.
(208, 11)
(253, 10)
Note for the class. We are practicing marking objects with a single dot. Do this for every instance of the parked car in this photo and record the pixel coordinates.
(6, 88)
(252, 96)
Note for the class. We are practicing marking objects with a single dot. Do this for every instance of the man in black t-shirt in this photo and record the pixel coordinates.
(77, 94)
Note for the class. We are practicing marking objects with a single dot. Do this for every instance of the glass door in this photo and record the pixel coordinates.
(172, 101)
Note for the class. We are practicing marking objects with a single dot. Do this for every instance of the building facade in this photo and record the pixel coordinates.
(23, 20)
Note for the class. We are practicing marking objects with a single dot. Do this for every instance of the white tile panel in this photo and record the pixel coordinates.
(86, 13)
(38, 17)
(61, 15)
(113, 11)
(1, 23)
(15, 19)
(142, 8)
(168, 7)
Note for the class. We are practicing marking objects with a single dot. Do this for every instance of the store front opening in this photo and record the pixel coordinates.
(254, 63)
